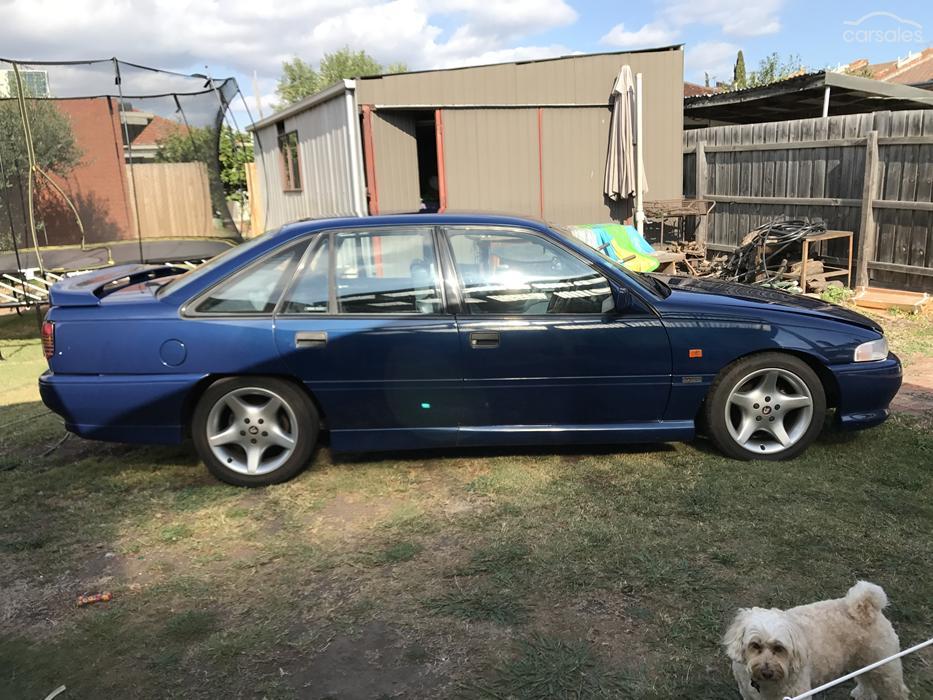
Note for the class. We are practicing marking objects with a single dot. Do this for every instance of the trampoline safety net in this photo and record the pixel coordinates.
(107, 162)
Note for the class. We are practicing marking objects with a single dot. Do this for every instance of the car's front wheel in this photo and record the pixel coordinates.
(769, 406)
(254, 431)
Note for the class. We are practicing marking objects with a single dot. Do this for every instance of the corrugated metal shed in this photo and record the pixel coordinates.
(528, 138)
(328, 145)
(491, 159)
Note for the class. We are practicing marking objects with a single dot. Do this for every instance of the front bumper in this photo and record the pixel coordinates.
(140, 409)
(865, 391)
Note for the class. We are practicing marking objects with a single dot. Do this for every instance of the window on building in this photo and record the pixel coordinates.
(291, 163)
(388, 271)
(513, 272)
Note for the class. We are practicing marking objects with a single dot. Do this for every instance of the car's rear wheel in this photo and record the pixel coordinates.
(255, 431)
(769, 406)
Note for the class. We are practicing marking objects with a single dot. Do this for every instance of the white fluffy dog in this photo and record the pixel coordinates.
(783, 653)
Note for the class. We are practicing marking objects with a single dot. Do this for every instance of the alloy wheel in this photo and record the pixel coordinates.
(769, 410)
(252, 430)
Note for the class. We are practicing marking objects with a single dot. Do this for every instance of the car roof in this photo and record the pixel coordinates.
(309, 225)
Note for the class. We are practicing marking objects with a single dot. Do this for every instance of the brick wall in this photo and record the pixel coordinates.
(97, 185)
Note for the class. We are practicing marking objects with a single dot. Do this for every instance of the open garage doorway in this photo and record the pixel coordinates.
(401, 154)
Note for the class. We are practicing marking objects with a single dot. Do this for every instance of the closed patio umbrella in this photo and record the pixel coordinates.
(620, 180)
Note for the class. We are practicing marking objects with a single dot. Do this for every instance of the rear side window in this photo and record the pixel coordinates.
(388, 271)
(254, 290)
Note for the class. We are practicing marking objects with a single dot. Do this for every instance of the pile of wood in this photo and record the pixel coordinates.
(694, 255)
(816, 280)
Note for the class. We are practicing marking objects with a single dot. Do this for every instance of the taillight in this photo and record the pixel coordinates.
(48, 339)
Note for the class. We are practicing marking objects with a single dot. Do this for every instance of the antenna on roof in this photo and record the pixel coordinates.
(256, 94)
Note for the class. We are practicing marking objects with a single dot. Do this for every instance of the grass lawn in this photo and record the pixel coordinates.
(578, 573)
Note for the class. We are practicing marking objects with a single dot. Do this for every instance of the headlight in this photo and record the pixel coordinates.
(873, 350)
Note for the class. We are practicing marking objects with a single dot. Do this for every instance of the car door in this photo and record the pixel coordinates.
(366, 327)
(541, 343)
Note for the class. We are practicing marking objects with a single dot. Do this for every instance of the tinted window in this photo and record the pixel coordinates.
(310, 292)
(254, 290)
(204, 268)
(387, 271)
(510, 272)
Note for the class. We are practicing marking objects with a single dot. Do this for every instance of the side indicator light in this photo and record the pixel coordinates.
(694, 353)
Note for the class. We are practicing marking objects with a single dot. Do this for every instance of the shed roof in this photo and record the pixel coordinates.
(561, 80)
(801, 97)
(573, 80)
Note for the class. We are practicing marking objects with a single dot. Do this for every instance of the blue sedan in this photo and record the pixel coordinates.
(403, 332)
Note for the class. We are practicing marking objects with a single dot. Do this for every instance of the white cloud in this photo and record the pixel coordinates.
(716, 58)
(650, 35)
(735, 17)
(516, 17)
(245, 35)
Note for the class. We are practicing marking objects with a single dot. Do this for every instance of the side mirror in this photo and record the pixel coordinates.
(619, 301)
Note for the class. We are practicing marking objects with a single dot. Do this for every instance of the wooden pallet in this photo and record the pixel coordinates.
(878, 298)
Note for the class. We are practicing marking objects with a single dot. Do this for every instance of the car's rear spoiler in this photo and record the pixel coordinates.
(88, 289)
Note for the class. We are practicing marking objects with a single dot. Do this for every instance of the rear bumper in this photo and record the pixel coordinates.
(865, 391)
(150, 409)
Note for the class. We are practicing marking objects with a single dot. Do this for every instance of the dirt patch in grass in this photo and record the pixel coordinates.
(375, 663)
(916, 394)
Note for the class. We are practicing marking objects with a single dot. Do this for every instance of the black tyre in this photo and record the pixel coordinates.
(255, 431)
(769, 406)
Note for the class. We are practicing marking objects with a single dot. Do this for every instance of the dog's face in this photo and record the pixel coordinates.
(766, 642)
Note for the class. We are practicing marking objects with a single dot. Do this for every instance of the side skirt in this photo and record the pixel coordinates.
(503, 435)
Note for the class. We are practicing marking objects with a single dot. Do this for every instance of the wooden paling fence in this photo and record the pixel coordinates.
(174, 199)
(867, 173)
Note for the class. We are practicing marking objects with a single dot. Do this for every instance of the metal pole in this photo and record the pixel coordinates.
(256, 95)
(639, 159)
(826, 101)
(31, 156)
(262, 158)
(129, 150)
(866, 669)
(9, 213)
(236, 146)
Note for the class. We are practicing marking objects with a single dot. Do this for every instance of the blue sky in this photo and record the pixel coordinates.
(240, 37)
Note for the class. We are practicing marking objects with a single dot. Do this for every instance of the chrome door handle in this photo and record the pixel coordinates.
(484, 340)
(311, 339)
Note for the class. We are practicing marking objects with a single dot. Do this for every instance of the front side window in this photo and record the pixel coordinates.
(512, 272)
(387, 271)
(291, 166)
(254, 290)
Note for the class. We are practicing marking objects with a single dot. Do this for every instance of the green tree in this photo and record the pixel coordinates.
(299, 79)
(232, 150)
(772, 69)
(54, 146)
(739, 79)
(53, 141)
